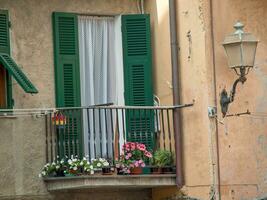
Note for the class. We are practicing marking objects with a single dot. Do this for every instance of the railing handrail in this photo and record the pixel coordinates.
(43, 110)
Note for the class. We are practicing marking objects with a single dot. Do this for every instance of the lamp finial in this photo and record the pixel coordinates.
(239, 28)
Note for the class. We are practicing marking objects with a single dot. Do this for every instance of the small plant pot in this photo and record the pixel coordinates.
(73, 172)
(119, 171)
(167, 170)
(98, 171)
(146, 170)
(59, 173)
(107, 171)
(136, 170)
(155, 170)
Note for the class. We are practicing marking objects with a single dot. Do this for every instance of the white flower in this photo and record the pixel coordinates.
(106, 164)
(98, 164)
(81, 163)
(53, 163)
(91, 167)
(62, 161)
(75, 168)
(57, 167)
(75, 160)
(92, 172)
(43, 173)
(40, 175)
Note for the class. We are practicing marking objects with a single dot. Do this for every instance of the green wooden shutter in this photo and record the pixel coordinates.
(5, 48)
(17, 73)
(67, 78)
(138, 77)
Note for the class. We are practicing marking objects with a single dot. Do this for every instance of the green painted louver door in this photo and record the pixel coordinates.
(17, 73)
(5, 48)
(138, 89)
(67, 80)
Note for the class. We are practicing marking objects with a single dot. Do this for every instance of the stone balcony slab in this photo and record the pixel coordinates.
(109, 181)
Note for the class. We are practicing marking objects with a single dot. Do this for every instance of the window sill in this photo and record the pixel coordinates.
(110, 181)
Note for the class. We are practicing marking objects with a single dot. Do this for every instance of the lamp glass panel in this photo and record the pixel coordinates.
(233, 52)
(249, 51)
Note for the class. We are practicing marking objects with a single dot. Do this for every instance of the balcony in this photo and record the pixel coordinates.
(105, 130)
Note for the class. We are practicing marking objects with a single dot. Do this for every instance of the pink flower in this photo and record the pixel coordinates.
(132, 146)
(129, 155)
(141, 147)
(140, 161)
(136, 164)
(148, 154)
(143, 165)
(131, 165)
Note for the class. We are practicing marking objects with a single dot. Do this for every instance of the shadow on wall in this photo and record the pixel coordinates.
(180, 196)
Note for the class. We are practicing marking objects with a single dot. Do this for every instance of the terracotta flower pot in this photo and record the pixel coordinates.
(167, 170)
(136, 170)
(155, 170)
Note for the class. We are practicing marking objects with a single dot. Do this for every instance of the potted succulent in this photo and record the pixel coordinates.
(134, 154)
(163, 159)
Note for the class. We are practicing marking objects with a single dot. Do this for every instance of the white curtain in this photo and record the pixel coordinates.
(101, 73)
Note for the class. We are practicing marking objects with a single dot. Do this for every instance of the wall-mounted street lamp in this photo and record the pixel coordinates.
(240, 48)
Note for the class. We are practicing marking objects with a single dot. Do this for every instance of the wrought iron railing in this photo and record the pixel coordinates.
(100, 131)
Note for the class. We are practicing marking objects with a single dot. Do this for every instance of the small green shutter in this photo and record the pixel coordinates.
(67, 80)
(17, 73)
(5, 48)
(138, 77)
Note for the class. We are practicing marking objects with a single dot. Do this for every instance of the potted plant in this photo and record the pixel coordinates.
(163, 159)
(48, 170)
(123, 166)
(102, 165)
(134, 154)
(74, 167)
(55, 169)
(86, 167)
(155, 166)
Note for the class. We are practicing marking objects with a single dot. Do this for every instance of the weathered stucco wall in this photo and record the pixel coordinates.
(193, 78)
(242, 140)
(241, 160)
(22, 141)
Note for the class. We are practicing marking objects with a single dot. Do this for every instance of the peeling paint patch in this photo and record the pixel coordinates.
(262, 142)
